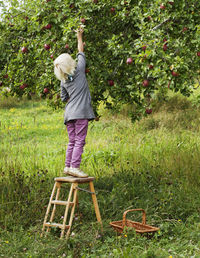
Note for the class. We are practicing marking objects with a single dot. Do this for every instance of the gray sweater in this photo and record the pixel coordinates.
(75, 90)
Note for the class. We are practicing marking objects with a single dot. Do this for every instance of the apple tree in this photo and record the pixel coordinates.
(134, 48)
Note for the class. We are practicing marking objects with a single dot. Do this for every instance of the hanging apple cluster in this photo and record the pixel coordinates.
(133, 48)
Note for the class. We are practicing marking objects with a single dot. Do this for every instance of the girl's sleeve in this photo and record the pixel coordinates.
(81, 61)
(63, 94)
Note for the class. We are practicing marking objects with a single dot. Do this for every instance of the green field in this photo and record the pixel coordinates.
(152, 164)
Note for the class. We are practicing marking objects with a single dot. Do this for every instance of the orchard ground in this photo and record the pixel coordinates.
(151, 164)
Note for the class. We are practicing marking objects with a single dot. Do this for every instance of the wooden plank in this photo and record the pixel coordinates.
(61, 202)
(48, 224)
(72, 179)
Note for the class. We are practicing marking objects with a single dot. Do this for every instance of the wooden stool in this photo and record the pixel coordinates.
(75, 181)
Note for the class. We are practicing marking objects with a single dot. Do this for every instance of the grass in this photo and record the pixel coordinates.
(152, 164)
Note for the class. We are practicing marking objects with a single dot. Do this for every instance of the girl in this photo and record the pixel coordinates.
(78, 110)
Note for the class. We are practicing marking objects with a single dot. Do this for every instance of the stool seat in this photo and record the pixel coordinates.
(72, 179)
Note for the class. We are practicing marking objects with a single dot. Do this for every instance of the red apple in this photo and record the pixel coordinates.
(5, 76)
(1, 83)
(23, 86)
(129, 60)
(145, 83)
(144, 48)
(175, 74)
(24, 49)
(165, 47)
(110, 82)
(112, 10)
(83, 20)
(184, 29)
(162, 7)
(47, 46)
(151, 66)
(46, 90)
(198, 53)
(48, 26)
(67, 46)
(148, 111)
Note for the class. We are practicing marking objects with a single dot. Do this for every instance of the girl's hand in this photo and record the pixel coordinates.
(80, 31)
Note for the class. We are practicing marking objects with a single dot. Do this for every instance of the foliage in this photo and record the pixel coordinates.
(133, 48)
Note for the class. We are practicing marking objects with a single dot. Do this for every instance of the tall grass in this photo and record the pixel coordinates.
(153, 164)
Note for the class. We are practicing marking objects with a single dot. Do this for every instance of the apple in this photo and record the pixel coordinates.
(1, 83)
(145, 83)
(129, 60)
(24, 49)
(48, 26)
(67, 46)
(151, 66)
(184, 29)
(47, 46)
(46, 90)
(148, 111)
(87, 70)
(23, 86)
(51, 56)
(165, 47)
(112, 10)
(144, 48)
(5, 76)
(162, 7)
(110, 82)
(175, 74)
(83, 20)
(198, 53)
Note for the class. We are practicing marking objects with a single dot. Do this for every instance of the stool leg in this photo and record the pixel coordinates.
(96, 207)
(48, 208)
(73, 209)
(54, 206)
(66, 211)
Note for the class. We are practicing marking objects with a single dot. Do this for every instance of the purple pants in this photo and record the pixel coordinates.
(77, 131)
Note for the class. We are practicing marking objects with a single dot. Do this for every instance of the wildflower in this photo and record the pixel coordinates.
(170, 256)
(6, 242)
(125, 235)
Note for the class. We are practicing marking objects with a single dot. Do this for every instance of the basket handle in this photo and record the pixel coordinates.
(143, 216)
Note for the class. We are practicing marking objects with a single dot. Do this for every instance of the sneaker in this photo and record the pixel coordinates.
(66, 169)
(76, 172)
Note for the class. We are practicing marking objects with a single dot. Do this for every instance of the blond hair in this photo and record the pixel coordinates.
(64, 65)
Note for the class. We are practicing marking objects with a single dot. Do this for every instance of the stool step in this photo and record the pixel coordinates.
(61, 202)
(48, 224)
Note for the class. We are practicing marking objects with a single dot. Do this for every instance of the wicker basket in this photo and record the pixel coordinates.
(141, 228)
